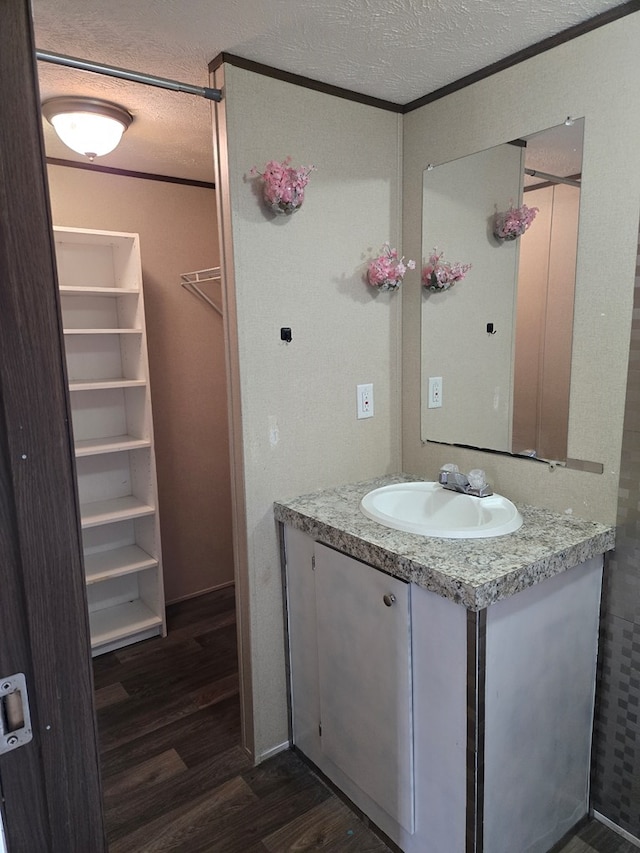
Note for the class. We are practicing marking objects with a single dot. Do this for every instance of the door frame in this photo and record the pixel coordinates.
(51, 793)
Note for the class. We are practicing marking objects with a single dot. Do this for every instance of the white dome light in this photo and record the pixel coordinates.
(87, 125)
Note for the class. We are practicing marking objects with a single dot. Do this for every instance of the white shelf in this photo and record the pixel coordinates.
(102, 306)
(110, 444)
(104, 384)
(116, 563)
(115, 509)
(98, 291)
(102, 331)
(121, 621)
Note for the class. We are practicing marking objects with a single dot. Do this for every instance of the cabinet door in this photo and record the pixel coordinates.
(364, 656)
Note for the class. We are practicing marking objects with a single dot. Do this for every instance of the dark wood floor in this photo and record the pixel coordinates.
(175, 776)
(596, 838)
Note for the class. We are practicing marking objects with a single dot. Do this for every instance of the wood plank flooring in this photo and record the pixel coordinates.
(174, 774)
(596, 838)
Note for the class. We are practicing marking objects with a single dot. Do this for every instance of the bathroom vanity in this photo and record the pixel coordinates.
(445, 685)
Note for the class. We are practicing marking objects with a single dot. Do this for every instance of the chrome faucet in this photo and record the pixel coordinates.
(475, 483)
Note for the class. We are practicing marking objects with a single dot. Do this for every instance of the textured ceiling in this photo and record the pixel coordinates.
(397, 50)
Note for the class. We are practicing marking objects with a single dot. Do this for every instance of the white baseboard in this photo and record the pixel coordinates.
(200, 592)
(281, 747)
(617, 829)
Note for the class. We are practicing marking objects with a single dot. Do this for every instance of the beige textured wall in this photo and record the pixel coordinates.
(178, 234)
(298, 401)
(594, 76)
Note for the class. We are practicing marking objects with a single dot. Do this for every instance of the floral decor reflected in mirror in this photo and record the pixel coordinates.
(500, 342)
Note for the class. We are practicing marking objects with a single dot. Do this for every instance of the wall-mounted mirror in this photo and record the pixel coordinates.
(500, 340)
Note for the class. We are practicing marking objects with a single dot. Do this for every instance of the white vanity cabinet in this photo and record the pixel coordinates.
(350, 640)
(453, 730)
(103, 321)
(364, 646)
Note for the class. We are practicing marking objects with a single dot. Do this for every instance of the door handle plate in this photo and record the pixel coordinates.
(15, 719)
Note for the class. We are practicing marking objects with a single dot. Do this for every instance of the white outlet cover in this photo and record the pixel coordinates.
(435, 392)
(364, 400)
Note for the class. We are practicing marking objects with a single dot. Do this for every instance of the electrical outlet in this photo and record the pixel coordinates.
(435, 392)
(364, 394)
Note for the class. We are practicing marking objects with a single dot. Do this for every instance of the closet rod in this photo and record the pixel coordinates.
(555, 179)
(125, 74)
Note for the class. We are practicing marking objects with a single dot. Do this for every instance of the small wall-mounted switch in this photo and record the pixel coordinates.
(285, 334)
(364, 394)
(435, 392)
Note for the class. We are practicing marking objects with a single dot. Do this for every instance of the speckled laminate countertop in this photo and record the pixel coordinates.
(471, 572)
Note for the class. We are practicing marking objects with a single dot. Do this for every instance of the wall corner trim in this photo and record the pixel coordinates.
(299, 80)
(573, 32)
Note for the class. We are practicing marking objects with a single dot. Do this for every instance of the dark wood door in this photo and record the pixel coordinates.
(50, 787)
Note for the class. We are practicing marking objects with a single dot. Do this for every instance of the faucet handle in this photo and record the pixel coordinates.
(477, 478)
(447, 469)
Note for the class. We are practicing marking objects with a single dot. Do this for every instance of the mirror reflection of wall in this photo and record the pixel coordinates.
(546, 285)
(506, 391)
(476, 368)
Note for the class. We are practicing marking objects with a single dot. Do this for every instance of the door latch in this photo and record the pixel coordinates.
(15, 720)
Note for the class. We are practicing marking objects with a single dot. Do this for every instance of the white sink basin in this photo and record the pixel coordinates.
(430, 510)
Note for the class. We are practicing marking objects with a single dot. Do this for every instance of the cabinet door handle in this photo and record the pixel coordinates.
(389, 599)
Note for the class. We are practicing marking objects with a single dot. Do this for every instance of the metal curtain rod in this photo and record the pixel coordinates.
(124, 74)
(553, 178)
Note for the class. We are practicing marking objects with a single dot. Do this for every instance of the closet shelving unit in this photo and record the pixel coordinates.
(105, 341)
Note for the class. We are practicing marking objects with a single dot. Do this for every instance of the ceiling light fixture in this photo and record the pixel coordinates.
(88, 126)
